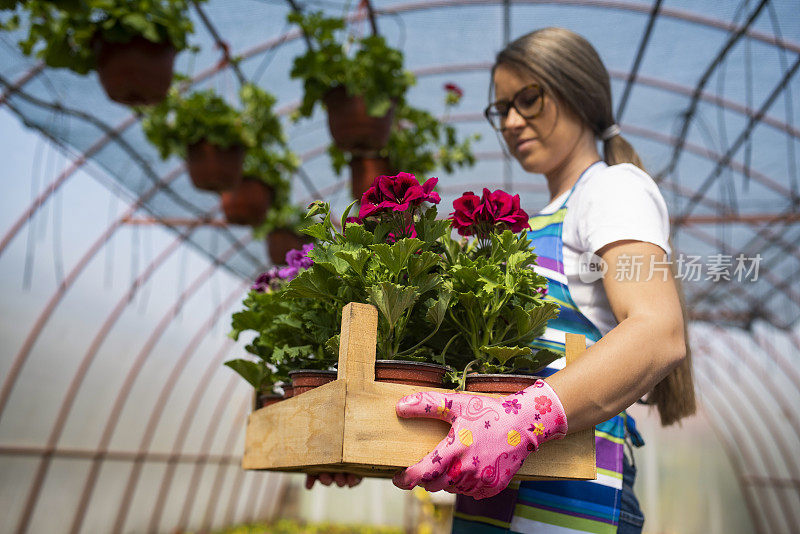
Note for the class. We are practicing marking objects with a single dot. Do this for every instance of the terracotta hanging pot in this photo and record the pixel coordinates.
(363, 170)
(307, 379)
(135, 73)
(248, 203)
(350, 125)
(505, 384)
(266, 399)
(213, 168)
(281, 241)
(412, 373)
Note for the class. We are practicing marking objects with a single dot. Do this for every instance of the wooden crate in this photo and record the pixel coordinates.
(350, 424)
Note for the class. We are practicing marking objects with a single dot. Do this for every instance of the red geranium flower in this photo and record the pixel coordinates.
(453, 88)
(494, 210)
(396, 193)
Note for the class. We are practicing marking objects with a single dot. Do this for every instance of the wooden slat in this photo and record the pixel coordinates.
(357, 342)
(302, 430)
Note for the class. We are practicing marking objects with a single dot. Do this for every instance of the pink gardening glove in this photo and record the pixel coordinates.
(489, 440)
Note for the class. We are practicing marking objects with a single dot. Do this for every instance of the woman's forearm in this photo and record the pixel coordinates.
(619, 369)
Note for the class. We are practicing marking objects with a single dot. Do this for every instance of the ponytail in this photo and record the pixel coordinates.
(674, 395)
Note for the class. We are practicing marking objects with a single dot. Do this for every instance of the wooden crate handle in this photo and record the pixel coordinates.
(357, 342)
(575, 346)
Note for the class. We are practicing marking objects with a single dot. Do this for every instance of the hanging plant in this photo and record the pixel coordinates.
(130, 43)
(359, 80)
(419, 142)
(214, 136)
(283, 229)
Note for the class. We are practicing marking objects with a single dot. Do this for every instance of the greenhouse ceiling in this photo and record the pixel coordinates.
(705, 91)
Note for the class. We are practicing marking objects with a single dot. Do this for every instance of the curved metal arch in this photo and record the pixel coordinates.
(754, 500)
(763, 411)
(205, 447)
(132, 375)
(66, 404)
(747, 422)
(163, 397)
(66, 283)
(219, 477)
(183, 430)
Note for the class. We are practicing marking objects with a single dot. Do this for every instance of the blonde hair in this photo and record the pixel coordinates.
(569, 69)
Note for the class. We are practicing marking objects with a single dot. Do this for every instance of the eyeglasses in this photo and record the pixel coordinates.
(528, 102)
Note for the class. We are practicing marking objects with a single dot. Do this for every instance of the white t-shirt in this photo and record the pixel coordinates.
(608, 204)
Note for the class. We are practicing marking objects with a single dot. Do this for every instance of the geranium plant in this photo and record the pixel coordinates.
(364, 66)
(500, 307)
(182, 120)
(62, 34)
(291, 333)
(390, 256)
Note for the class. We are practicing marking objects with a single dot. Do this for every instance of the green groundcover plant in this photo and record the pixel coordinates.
(470, 304)
(62, 33)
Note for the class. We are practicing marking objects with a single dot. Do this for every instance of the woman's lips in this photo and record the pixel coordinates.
(524, 144)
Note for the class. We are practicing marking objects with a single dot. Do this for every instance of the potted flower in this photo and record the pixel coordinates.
(296, 339)
(501, 306)
(263, 181)
(130, 43)
(213, 135)
(359, 81)
(419, 143)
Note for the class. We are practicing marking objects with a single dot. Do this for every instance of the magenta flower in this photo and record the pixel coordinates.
(512, 406)
(296, 260)
(494, 211)
(266, 281)
(396, 194)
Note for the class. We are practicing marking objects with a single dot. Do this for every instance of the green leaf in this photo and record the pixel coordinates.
(317, 231)
(533, 322)
(355, 258)
(438, 309)
(253, 372)
(392, 300)
(421, 263)
(395, 256)
(358, 235)
(503, 354)
(313, 283)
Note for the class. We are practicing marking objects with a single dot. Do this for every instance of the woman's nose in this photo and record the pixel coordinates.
(514, 119)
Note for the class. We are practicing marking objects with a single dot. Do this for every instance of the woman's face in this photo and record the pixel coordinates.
(542, 144)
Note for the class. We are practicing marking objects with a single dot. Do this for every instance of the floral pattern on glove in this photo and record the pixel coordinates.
(489, 439)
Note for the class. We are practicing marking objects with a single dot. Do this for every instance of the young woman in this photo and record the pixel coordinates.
(552, 105)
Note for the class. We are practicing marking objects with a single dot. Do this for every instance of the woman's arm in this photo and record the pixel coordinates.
(641, 350)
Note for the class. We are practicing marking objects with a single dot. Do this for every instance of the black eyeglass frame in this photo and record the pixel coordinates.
(512, 103)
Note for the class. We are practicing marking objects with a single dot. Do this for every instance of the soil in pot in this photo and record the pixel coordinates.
(248, 203)
(363, 170)
(266, 399)
(505, 384)
(281, 241)
(135, 73)
(213, 168)
(307, 379)
(350, 125)
(412, 373)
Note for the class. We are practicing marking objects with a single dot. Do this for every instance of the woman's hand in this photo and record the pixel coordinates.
(489, 440)
(326, 479)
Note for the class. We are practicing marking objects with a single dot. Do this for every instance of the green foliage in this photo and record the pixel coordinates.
(291, 333)
(500, 311)
(182, 120)
(402, 279)
(62, 33)
(365, 66)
